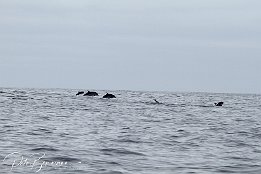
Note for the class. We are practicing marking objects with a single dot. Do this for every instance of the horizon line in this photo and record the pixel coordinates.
(141, 90)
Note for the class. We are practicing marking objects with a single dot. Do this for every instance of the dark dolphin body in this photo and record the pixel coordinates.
(89, 93)
(219, 103)
(109, 96)
(157, 101)
(80, 92)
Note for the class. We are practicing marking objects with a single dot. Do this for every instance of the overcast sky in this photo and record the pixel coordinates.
(173, 45)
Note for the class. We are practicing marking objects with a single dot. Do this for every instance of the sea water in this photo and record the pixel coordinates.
(54, 131)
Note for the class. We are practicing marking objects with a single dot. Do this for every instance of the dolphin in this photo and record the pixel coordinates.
(156, 101)
(89, 93)
(80, 92)
(109, 96)
(219, 104)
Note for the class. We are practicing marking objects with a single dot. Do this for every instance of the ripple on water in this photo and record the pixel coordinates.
(125, 140)
(254, 169)
(44, 149)
(111, 172)
(111, 151)
(62, 159)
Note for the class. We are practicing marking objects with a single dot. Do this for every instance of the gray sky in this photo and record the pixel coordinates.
(174, 45)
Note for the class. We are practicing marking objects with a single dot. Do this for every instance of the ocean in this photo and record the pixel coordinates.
(53, 131)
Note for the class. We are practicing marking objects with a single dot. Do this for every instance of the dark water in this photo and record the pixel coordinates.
(54, 131)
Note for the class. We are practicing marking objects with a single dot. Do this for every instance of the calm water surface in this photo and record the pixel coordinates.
(53, 131)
